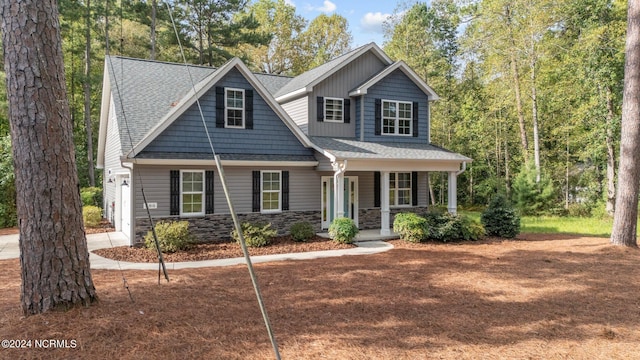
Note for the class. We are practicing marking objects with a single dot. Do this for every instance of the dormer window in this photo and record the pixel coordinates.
(234, 108)
(333, 110)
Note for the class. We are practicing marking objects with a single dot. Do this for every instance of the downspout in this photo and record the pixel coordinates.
(464, 168)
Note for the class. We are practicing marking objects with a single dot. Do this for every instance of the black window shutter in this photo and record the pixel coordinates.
(248, 109)
(347, 111)
(376, 189)
(320, 108)
(256, 191)
(174, 192)
(219, 107)
(414, 188)
(415, 119)
(208, 192)
(285, 190)
(378, 114)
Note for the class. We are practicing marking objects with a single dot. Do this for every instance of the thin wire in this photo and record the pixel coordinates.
(126, 123)
(236, 222)
(124, 279)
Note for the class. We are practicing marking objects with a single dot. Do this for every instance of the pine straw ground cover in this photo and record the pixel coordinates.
(540, 297)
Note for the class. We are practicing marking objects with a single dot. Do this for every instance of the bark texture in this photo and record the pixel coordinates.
(626, 208)
(53, 249)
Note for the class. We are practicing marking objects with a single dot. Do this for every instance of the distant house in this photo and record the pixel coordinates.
(348, 138)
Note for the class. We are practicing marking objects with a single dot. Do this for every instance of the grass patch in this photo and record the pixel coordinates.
(559, 224)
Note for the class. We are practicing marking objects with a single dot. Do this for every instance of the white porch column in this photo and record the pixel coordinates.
(385, 228)
(338, 188)
(452, 200)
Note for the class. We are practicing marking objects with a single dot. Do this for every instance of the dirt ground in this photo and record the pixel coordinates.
(539, 297)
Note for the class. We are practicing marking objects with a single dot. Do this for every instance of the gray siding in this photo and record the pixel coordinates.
(304, 188)
(112, 153)
(298, 110)
(396, 86)
(269, 136)
(339, 85)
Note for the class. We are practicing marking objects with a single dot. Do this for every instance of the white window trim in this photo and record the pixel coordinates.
(227, 108)
(262, 191)
(201, 213)
(397, 118)
(396, 189)
(325, 109)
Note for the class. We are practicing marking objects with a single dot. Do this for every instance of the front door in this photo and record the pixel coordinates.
(350, 209)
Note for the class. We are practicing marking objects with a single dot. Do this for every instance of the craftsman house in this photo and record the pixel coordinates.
(348, 138)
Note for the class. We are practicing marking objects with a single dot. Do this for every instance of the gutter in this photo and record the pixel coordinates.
(464, 167)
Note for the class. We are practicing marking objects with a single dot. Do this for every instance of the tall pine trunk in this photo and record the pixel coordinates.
(87, 97)
(53, 248)
(626, 210)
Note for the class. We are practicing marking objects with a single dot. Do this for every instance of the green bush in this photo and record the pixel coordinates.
(342, 230)
(531, 197)
(446, 227)
(255, 235)
(411, 227)
(302, 231)
(172, 236)
(91, 196)
(500, 219)
(92, 215)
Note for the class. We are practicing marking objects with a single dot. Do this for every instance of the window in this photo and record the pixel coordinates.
(396, 117)
(191, 192)
(333, 110)
(234, 109)
(271, 191)
(400, 189)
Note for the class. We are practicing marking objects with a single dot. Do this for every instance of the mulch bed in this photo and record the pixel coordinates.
(279, 245)
(537, 297)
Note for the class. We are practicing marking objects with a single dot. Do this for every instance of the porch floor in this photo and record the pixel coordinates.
(368, 235)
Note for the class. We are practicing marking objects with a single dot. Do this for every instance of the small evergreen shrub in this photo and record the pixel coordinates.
(342, 230)
(302, 231)
(91, 196)
(411, 227)
(172, 236)
(255, 235)
(531, 197)
(446, 227)
(92, 215)
(500, 219)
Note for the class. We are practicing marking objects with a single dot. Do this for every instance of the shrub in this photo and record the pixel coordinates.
(446, 227)
(531, 197)
(92, 215)
(302, 231)
(255, 235)
(342, 230)
(500, 219)
(172, 236)
(91, 196)
(411, 227)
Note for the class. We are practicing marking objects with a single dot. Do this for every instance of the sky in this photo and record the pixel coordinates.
(365, 17)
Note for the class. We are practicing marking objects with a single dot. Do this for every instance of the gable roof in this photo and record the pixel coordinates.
(305, 82)
(402, 66)
(150, 95)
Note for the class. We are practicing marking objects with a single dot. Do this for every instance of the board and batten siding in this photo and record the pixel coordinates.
(338, 85)
(298, 110)
(304, 188)
(269, 136)
(396, 86)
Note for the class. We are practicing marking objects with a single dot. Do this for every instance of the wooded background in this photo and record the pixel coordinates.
(530, 89)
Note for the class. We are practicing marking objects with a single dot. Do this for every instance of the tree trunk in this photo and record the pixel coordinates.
(53, 249)
(611, 156)
(516, 86)
(534, 116)
(87, 97)
(154, 9)
(626, 214)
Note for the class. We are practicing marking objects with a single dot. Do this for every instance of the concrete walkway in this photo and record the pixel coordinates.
(9, 250)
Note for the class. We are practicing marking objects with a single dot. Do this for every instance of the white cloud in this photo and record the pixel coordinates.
(290, 2)
(372, 22)
(327, 6)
